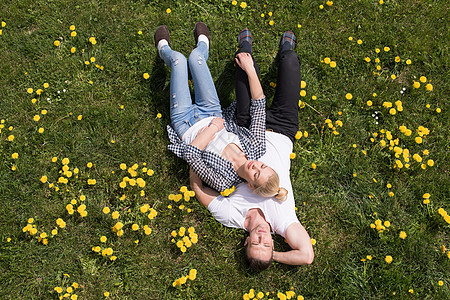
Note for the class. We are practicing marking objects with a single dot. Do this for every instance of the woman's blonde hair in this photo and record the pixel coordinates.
(272, 188)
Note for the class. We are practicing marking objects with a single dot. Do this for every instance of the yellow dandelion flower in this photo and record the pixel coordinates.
(146, 76)
(168, 10)
(271, 22)
(388, 259)
(348, 96)
(359, 42)
(243, 4)
(429, 87)
(56, 43)
(333, 64)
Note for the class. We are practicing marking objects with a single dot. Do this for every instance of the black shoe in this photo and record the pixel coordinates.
(199, 29)
(162, 33)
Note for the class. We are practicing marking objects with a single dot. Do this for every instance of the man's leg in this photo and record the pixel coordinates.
(206, 98)
(282, 117)
(241, 84)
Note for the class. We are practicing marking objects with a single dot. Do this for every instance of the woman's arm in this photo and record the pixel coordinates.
(200, 161)
(207, 134)
(245, 61)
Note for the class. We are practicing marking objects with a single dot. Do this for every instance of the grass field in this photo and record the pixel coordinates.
(84, 107)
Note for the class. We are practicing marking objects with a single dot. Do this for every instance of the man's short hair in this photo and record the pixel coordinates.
(255, 263)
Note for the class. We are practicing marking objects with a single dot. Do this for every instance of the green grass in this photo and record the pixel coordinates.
(335, 207)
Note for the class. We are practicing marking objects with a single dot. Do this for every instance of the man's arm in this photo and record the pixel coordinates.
(302, 252)
(204, 194)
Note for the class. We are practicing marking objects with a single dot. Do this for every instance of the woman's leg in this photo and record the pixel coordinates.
(282, 116)
(206, 99)
(181, 107)
(241, 85)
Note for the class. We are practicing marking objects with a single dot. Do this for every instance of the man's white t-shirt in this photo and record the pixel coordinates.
(231, 210)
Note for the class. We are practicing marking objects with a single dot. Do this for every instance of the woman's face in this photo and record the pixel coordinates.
(255, 173)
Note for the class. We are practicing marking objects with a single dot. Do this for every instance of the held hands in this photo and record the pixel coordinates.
(245, 61)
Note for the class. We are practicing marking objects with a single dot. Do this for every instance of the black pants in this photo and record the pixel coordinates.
(282, 116)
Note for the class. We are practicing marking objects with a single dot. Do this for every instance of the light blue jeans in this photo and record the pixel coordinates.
(184, 114)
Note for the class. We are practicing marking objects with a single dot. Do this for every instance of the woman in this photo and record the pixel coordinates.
(219, 151)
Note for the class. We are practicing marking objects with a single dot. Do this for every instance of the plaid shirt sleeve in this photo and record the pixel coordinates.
(177, 146)
(258, 125)
(211, 168)
(253, 139)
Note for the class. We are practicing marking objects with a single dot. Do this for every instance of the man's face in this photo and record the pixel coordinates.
(260, 243)
(255, 173)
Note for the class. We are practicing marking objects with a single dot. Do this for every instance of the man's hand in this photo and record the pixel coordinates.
(302, 252)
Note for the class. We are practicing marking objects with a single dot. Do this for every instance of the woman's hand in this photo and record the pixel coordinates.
(207, 133)
(217, 123)
(245, 61)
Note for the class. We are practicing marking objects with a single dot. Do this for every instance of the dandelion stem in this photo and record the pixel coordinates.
(200, 7)
(312, 107)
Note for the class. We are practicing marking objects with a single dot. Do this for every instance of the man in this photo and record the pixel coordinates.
(249, 211)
